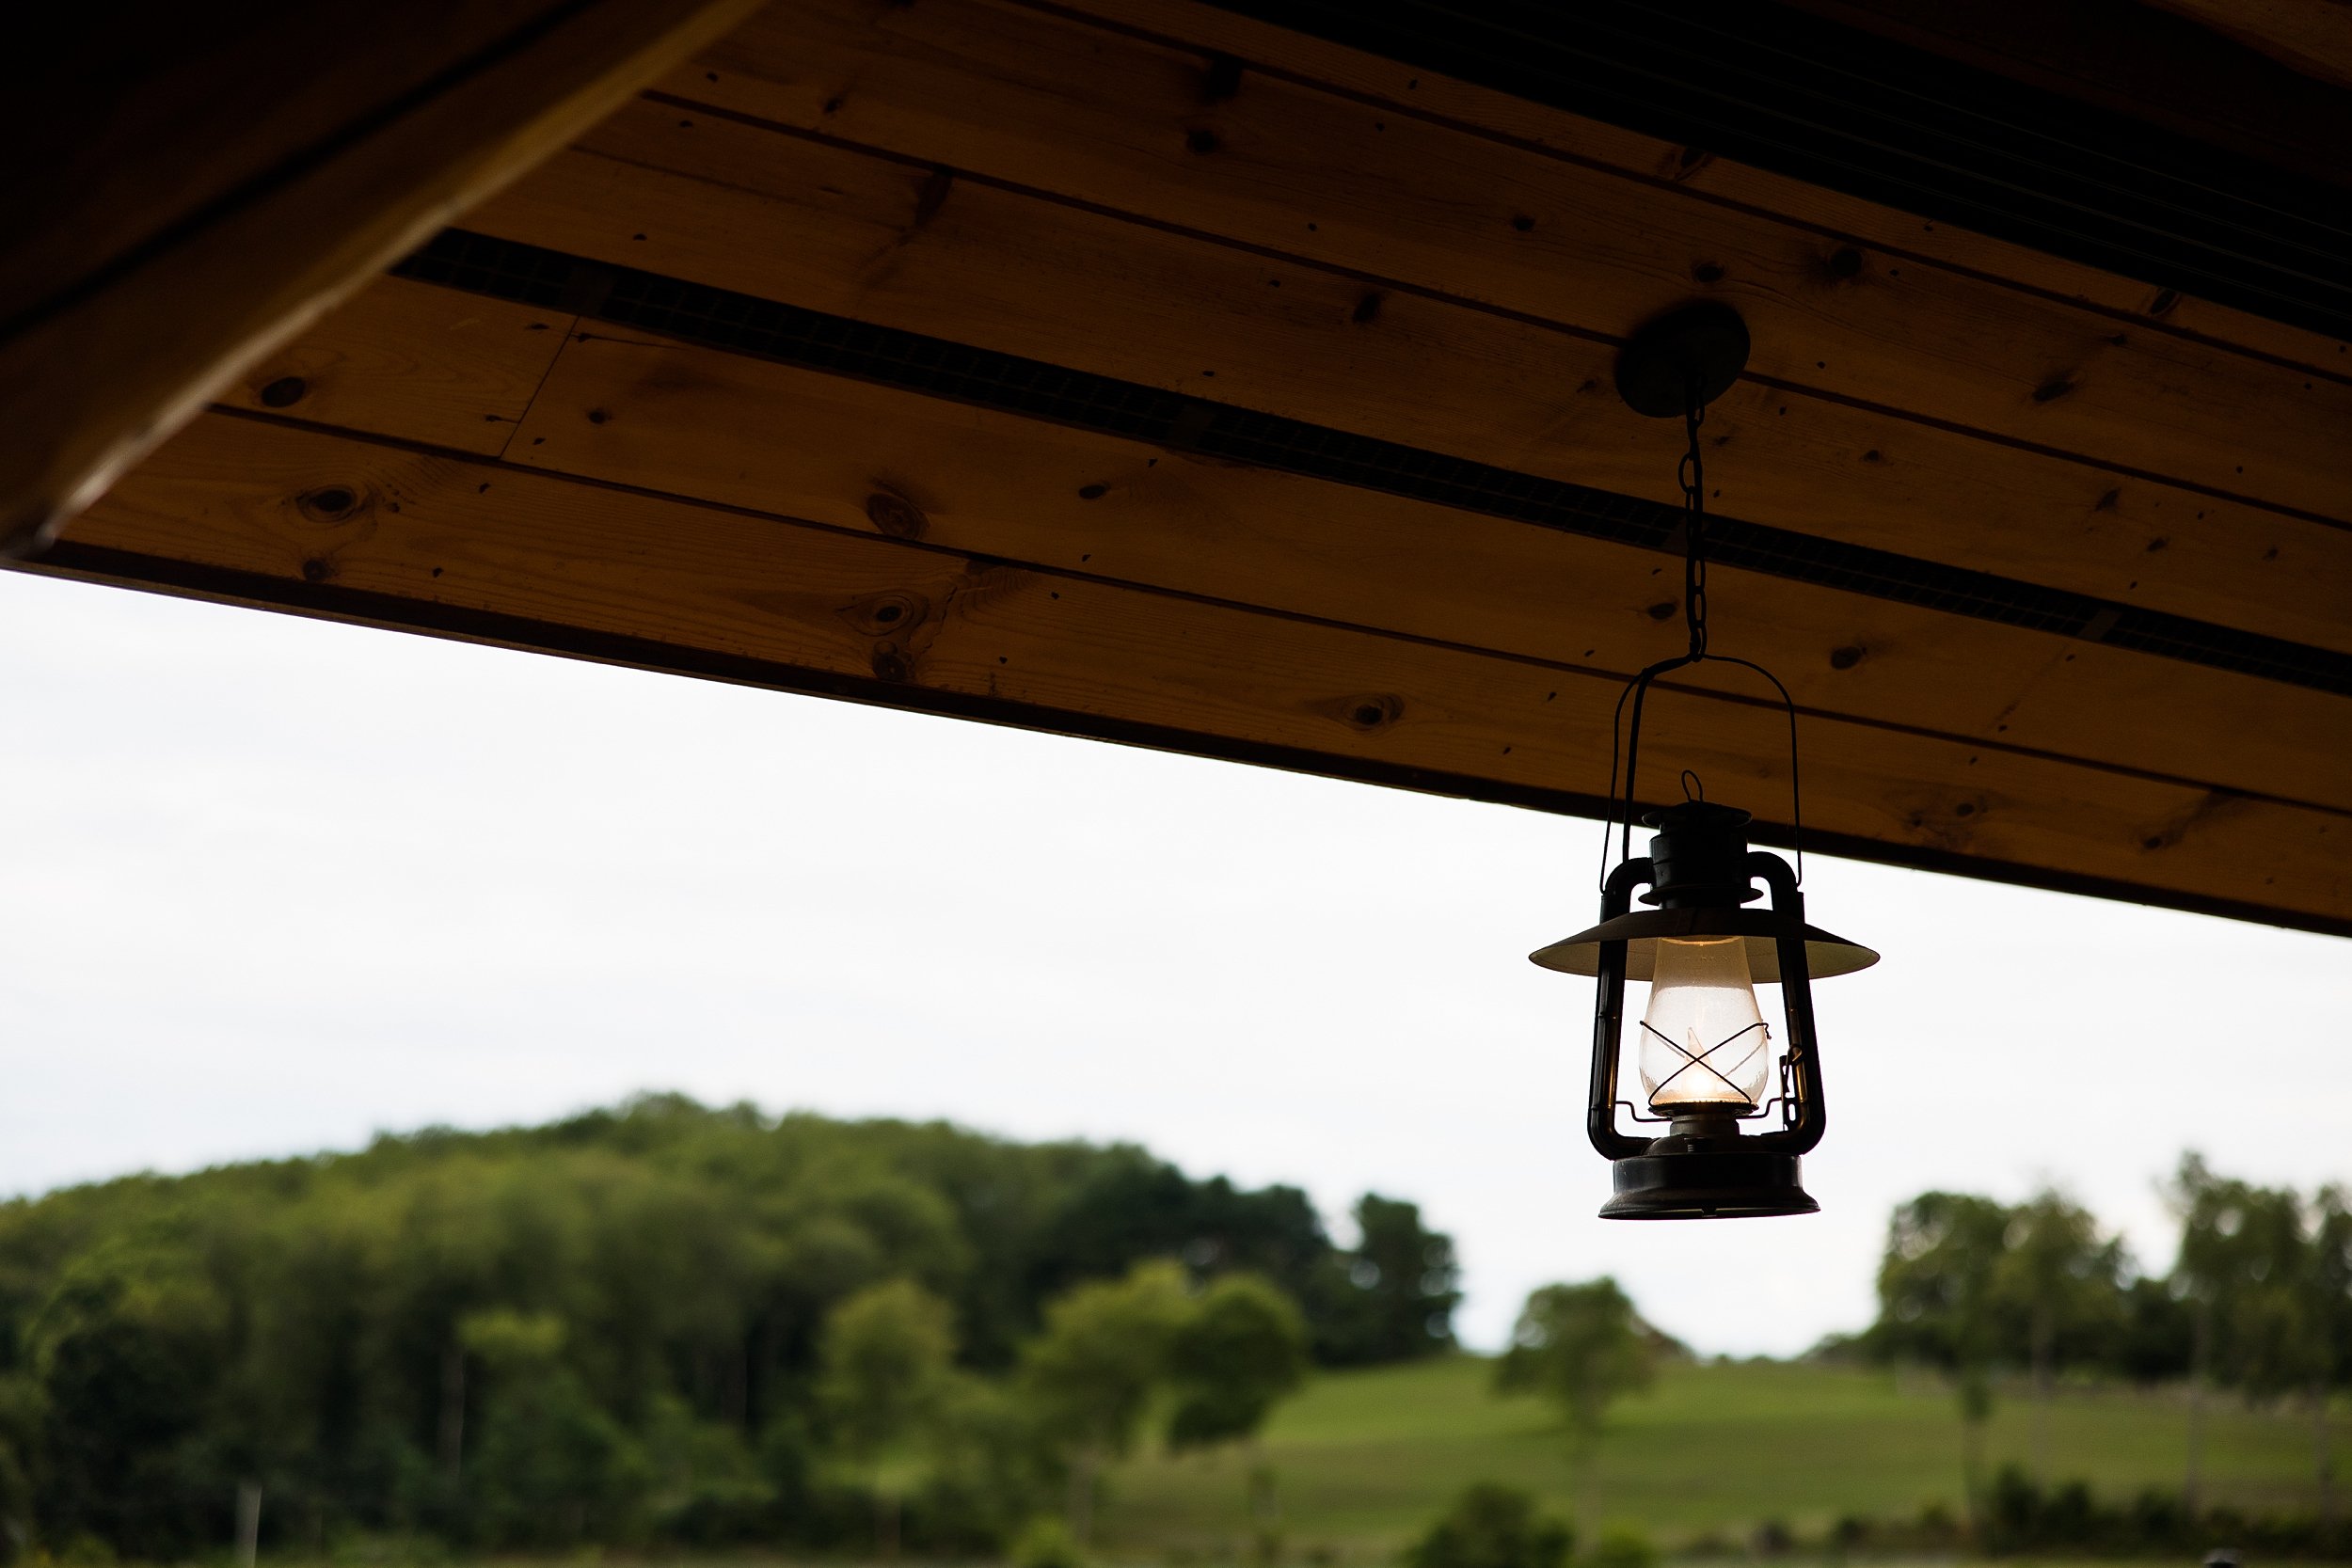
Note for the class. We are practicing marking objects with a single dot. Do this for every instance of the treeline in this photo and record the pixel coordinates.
(660, 1320)
(2258, 1303)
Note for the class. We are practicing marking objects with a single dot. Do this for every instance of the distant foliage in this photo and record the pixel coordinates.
(2258, 1301)
(661, 1321)
(1622, 1546)
(1583, 1347)
(1392, 1299)
(1046, 1543)
(1493, 1526)
(1966, 1281)
(2071, 1519)
(1092, 1373)
(2261, 1287)
(1242, 1350)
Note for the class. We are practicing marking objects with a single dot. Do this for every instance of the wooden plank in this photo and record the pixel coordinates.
(115, 339)
(408, 360)
(1138, 128)
(1409, 89)
(704, 424)
(788, 218)
(400, 537)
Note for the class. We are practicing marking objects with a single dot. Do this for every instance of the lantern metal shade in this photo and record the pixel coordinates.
(1763, 932)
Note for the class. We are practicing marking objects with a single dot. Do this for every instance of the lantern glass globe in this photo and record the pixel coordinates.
(1706, 1049)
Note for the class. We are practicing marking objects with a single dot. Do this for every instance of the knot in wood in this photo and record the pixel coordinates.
(887, 615)
(895, 515)
(332, 503)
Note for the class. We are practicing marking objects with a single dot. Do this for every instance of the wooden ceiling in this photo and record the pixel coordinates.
(1139, 368)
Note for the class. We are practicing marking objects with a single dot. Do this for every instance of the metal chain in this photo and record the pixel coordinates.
(1692, 472)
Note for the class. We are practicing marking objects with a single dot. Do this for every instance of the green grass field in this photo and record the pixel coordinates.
(1366, 1459)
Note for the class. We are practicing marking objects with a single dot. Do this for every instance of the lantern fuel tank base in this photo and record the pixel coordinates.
(1706, 1184)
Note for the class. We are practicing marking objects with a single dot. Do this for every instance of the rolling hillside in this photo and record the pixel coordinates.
(1366, 1458)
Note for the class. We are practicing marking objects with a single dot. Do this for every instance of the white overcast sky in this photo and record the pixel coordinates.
(271, 885)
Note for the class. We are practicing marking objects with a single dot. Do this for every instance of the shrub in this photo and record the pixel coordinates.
(1937, 1526)
(1851, 1532)
(1045, 1542)
(1491, 1526)
(1623, 1547)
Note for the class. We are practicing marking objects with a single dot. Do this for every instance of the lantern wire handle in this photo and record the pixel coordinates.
(1691, 472)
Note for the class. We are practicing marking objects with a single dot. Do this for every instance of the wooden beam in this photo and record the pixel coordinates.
(245, 509)
(1152, 132)
(832, 229)
(246, 174)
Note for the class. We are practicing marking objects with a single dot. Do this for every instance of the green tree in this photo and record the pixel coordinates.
(553, 1468)
(130, 1350)
(1132, 1208)
(1242, 1350)
(1937, 1304)
(1089, 1377)
(2062, 1279)
(1393, 1296)
(989, 1472)
(2232, 1236)
(2279, 1269)
(2328, 1280)
(883, 1364)
(1583, 1348)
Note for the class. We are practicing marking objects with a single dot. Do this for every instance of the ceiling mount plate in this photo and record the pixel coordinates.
(1699, 348)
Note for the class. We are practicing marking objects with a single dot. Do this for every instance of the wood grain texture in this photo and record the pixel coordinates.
(411, 360)
(439, 533)
(1409, 89)
(1135, 127)
(92, 374)
(789, 218)
(704, 424)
